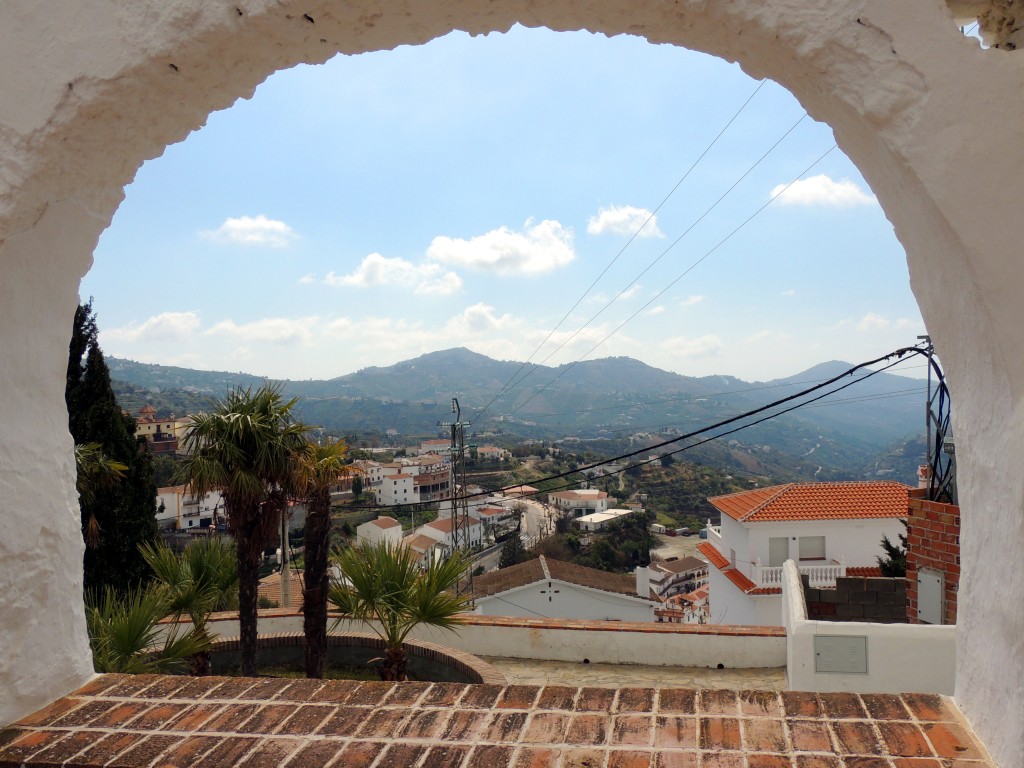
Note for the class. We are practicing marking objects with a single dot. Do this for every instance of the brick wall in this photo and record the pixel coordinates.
(933, 541)
(857, 598)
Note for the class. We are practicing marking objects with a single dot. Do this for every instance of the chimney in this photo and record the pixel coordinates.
(643, 581)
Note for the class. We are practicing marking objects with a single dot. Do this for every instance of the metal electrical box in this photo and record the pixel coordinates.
(841, 653)
(930, 588)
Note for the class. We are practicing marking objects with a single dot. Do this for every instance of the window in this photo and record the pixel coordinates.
(812, 547)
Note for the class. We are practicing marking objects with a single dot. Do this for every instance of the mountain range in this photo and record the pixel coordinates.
(855, 432)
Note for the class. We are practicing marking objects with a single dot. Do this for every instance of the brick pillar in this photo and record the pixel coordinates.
(933, 541)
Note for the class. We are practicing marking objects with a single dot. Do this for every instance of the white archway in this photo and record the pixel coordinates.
(931, 121)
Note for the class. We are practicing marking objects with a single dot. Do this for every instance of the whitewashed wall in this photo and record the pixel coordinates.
(567, 601)
(900, 657)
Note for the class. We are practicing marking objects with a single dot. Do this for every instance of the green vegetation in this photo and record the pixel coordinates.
(513, 552)
(894, 564)
(116, 516)
(245, 447)
(385, 586)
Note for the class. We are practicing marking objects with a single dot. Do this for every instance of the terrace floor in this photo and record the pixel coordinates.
(215, 722)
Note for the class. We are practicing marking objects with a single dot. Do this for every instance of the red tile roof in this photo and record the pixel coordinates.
(714, 557)
(816, 501)
(864, 570)
(385, 522)
(744, 584)
(444, 524)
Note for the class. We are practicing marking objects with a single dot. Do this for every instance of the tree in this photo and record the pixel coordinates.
(383, 584)
(357, 486)
(316, 469)
(512, 552)
(202, 579)
(244, 449)
(894, 564)
(117, 517)
(124, 630)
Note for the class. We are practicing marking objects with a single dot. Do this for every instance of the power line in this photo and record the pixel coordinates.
(511, 382)
(674, 243)
(898, 354)
(689, 269)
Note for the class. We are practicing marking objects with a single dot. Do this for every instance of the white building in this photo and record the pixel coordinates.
(826, 528)
(583, 501)
(598, 521)
(178, 508)
(397, 488)
(383, 530)
(441, 530)
(680, 575)
(555, 589)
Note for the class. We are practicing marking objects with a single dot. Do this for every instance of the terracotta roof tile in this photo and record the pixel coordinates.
(714, 557)
(385, 522)
(270, 588)
(864, 570)
(681, 565)
(816, 501)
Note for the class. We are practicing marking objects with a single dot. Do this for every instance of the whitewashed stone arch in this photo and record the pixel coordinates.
(92, 89)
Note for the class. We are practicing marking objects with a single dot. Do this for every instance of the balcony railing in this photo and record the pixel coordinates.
(820, 575)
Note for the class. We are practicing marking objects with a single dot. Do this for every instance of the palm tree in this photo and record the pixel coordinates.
(203, 579)
(124, 631)
(96, 470)
(317, 467)
(383, 584)
(244, 448)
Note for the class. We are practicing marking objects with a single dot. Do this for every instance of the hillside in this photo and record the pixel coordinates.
(610, 401)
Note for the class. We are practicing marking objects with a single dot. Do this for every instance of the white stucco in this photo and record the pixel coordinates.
(559, 599)
(900, 657)
(933, 122)
(672, 645)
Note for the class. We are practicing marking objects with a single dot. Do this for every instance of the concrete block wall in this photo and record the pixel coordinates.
(855, 598)
(933, 541)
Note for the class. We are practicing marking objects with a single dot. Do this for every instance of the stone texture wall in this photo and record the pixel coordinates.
(857, 598)
(933, 541)
(932, 121)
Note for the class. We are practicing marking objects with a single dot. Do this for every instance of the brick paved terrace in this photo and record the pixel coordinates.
(152, 720)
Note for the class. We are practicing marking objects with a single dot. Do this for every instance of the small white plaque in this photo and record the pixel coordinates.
(846, 654)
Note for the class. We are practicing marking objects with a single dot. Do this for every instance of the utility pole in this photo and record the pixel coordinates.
(457, 487)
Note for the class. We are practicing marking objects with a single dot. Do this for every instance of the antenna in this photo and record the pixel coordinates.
(457, 488)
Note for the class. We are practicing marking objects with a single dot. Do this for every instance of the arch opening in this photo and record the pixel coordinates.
(910, 101)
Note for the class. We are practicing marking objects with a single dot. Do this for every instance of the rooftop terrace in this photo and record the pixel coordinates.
(151, 720)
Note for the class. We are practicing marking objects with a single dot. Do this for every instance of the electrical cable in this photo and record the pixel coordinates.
(687, 271)
(899, 354)
(509, 384)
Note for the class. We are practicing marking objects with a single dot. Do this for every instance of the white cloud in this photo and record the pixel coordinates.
(282, 331)
(253, 230)
(379, 270)
(624, 220)
(656, 310)
(873, 322)
(823, 190)
(167, 326)
(538, 248)
(702, 346)
(789, 293)
(690, 301)
(309, 279)
(478, 319)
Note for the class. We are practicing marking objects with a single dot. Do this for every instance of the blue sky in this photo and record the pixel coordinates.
(469, 191)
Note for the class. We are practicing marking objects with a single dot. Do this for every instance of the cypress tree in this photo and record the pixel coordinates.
(125, 511)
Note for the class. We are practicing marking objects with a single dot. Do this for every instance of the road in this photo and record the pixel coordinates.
(536, 524)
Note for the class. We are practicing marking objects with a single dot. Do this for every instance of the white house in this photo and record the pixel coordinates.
(679, 575)
(382, 530)
(826, 528)
(397, 488)
(598, 521)
(583, 501)
(555, 589)
(178, 508)
(441, 530)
